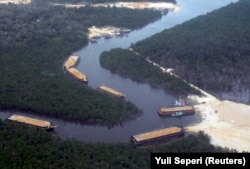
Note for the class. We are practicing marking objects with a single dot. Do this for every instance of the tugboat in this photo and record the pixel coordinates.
(180, 108)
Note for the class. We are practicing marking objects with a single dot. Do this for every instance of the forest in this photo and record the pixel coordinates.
(126, 63)
(210, 51)
(28, 147)
(35, 41)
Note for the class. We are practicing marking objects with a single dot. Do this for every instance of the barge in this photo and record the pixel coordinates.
(157, 135)
(77, 74)
(176, 110)
(31, 121)
(71, 61)
(112, 91)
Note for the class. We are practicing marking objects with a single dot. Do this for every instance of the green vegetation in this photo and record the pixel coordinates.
(128, 64)
(26, 147)
(35, 41)
(210, 51)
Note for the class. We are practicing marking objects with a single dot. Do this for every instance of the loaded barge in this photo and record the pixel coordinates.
(176, 110)
(112, 91)
(69, 66)
(31, 121)
(71, 61)
(77, 74)
(157, 135)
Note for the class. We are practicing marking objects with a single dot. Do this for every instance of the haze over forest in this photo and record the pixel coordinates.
(211, 51)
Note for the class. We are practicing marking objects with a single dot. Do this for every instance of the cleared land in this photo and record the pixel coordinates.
(226, 122)
(110, 31)
(141, 5)
(15, 1)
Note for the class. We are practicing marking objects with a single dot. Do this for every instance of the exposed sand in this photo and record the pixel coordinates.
(101, 31)
(141, 5)
(226, 122)
(15, 1)
(131, 5)
(110, 31)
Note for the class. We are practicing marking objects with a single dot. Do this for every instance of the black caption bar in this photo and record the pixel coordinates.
(202, 160)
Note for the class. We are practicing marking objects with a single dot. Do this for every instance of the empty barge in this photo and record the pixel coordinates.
(112, 91)
(31, 121)
(77, 74)
(71, 61)
(157, 135)
(176, 110)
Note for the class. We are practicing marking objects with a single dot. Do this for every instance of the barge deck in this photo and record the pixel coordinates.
(176, 110)
(157, 135)
(78, 75)
(32, 121)
(112, 91)
(71, 61)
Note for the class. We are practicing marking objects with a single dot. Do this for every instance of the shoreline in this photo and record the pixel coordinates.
(225, 122)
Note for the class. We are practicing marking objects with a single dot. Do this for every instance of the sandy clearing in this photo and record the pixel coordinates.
(15, 1)
(101, 31)
(226, 122)
(109, 31)
(141, 5)
(132, 5)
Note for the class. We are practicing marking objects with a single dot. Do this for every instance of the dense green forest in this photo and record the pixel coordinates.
(211, 51)
(36, 39)
(26, 147)
(128, 64)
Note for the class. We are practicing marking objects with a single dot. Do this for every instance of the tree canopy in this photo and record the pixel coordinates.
(210, 51)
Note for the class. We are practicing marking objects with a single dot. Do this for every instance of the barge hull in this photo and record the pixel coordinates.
(71, 61)
(170, 111)
(111, 91)
(157, 136)
(32, 121)
(78, 75)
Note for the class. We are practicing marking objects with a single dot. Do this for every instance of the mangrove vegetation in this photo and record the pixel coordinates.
(27, 147)
(36, 39)
(210, 51)
(128, 64)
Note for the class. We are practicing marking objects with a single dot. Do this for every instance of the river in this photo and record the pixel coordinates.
(142, 95)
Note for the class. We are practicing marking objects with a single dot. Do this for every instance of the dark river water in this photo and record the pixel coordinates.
(142, 95)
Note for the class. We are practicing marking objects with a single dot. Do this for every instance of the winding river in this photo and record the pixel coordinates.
(142, 95)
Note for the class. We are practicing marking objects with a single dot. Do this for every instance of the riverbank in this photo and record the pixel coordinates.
(226, 122)
(159, 6)
(15, 1)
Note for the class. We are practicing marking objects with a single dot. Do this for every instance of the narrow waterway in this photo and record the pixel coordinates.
(142, 95)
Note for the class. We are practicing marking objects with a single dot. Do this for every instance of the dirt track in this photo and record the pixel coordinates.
(226, 122)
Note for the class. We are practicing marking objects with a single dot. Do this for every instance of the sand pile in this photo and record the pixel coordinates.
(226, 122)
